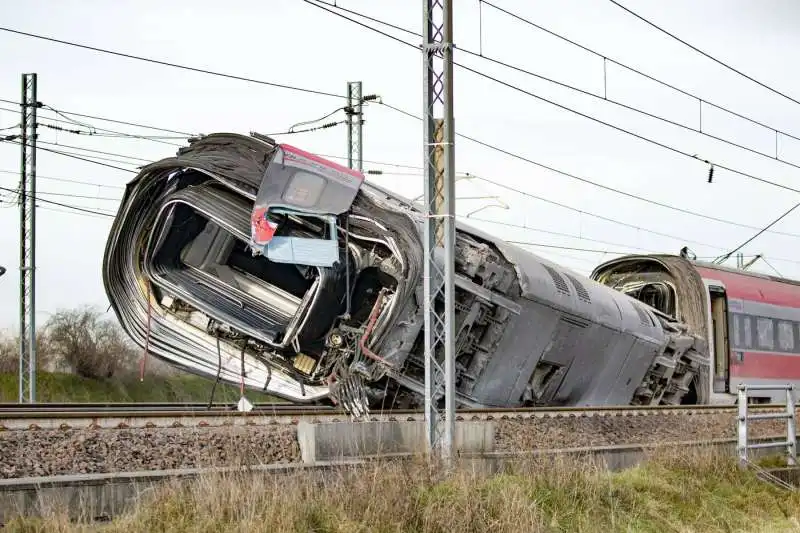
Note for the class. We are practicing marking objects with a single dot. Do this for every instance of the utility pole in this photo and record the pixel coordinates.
(355, 122)
(439, 156)
(27, 242)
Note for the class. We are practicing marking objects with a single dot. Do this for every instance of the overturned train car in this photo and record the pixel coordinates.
(261, 264)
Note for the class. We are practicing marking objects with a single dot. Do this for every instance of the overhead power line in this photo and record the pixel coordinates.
(638, 228)
(71, 151)
(566, 108)
(772, 267)
(122, 122)
(52, 202)
(73, 156)
(290, 131)
(73, 212)
(96, 128)
(634, 69)
(556, 233)
(103, 152)
(628, 132)
(499, 184)
(615, 221)
(570, 248)
(589, 213)
(761, 231)
(170, 64)
(80, 196)
(705, 54)
(569, 109)
(604, 97)
(93, 132)
(65, 180)
(588, 182)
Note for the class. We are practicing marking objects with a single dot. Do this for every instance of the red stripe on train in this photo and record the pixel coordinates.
(767, 366)
(753, 288)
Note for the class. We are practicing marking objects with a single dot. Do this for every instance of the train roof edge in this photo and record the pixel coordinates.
(703, 264)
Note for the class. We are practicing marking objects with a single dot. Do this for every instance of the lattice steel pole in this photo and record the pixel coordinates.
(27, 242)
(355, 121)
(437, 52)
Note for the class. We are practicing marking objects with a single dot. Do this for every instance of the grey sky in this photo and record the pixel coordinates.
(288, 41)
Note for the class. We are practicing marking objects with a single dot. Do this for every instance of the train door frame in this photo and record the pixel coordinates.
(718, 339)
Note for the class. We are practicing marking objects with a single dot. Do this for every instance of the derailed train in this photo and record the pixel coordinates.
(261, 264)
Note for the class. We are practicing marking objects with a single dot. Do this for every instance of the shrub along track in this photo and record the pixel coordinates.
(37, 442)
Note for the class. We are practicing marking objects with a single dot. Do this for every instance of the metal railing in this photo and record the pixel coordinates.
(745, 417)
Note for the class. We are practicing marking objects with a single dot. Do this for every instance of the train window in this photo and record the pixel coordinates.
(766, 335)
(736, 325)
(785, 336)
(748, 334)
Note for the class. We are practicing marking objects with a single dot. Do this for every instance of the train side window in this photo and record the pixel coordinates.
(786, 336)
(797, 335)
(748, 333)
(766, 333)
(736, 325)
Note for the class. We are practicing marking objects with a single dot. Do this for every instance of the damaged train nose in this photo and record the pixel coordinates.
(237, 258)
(253, 262)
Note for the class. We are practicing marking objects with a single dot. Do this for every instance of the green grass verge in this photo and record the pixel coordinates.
(707, 494)
(62, 388)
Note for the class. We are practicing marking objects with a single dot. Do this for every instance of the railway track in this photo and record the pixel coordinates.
(91, 438)
(142, 407)
(154, 415)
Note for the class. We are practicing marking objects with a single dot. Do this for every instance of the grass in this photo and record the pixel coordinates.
(63, 388)
(698, 493)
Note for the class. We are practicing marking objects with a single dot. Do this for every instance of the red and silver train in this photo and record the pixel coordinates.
(750, 320)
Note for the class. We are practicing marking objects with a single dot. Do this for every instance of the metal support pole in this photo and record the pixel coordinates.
(355, 122)
(439, 157)
(741, 445)
(27, 242)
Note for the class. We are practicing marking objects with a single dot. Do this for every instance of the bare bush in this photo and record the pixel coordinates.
(9, 352)
(92, 346)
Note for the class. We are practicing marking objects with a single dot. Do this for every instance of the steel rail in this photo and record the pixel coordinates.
(156, 407)
(143, 407)
(40, 417)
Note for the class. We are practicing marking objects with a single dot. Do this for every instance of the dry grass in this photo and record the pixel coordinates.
(701, 493)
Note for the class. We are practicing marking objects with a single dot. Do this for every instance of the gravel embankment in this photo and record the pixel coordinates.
(57, 452)
(26, 453)
(516, 435)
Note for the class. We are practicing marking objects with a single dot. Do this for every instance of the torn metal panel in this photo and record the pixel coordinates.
(297, 183)
(312, 251)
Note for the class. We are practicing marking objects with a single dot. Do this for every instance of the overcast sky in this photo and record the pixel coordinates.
(293, 43)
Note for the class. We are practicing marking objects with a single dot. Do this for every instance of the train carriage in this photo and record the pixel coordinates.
(750, 320)
(261, 264)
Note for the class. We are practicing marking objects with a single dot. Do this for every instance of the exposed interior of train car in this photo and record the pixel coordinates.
(751, 320)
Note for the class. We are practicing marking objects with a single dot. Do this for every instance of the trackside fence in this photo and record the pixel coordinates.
(746, 418)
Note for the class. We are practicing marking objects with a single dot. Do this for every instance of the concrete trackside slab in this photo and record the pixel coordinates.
(348, 440)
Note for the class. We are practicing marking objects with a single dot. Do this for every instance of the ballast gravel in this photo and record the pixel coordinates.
(27, 453)
(585, 431)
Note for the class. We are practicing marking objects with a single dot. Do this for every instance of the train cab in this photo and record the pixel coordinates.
(751, 320)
